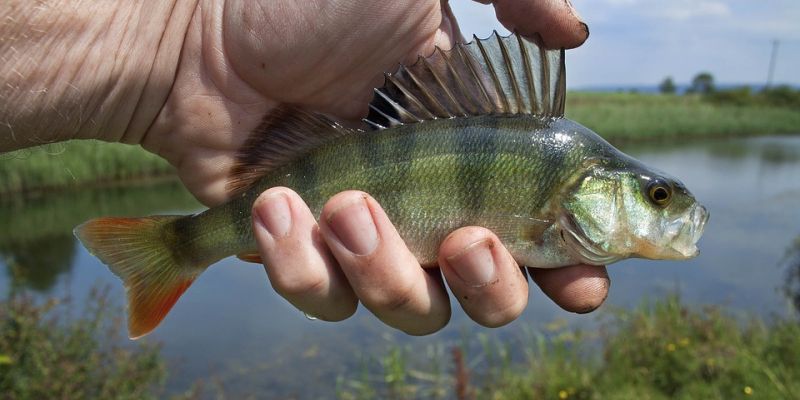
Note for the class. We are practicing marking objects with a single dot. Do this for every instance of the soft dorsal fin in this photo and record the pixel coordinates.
(285, 134)
(496, 75)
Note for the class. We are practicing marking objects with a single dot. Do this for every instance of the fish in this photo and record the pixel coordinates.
(474, 135)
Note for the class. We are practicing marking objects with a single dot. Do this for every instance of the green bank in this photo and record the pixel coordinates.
(615, 116)
(72, 164)
(642, 117)
(660, 350)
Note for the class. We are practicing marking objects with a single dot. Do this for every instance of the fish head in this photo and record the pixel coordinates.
(619, 208)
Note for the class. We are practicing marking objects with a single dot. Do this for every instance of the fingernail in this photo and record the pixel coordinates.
(353, 225)
(274, 214)
(475, 264)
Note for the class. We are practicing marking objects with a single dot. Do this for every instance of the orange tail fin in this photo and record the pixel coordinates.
(137, 250)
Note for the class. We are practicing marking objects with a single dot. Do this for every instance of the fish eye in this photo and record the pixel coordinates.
(660, 192)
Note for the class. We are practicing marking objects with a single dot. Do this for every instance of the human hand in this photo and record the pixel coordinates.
(355, 254)
(240, 61)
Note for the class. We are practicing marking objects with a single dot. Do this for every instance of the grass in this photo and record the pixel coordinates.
(641, 117)
(46, 353)
(661, 350)
(615, 116)
(76, 163)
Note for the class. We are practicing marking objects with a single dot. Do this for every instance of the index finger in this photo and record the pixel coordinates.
(555, 20)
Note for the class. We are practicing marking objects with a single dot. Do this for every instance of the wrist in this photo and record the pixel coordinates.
(83, 69)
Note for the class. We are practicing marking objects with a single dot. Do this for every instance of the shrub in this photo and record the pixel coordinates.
(46, 354)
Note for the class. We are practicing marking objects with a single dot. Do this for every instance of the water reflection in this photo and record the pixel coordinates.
(767, 151)
(773, 151)
(37, 262)
(36, 241)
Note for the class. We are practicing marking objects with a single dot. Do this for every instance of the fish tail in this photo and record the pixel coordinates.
(142, 252)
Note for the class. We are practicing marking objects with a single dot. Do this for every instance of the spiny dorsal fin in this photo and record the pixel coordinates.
(496, 75)
(285, 134)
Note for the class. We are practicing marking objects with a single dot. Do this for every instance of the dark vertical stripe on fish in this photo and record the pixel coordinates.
(306, 179)
(402, 153)
(183, 229)
(370, 152)
(477, 151)
(237, 214)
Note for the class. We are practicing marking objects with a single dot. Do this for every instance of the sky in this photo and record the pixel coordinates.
(640, 42)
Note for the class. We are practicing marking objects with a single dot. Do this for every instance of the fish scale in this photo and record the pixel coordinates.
(470, 136)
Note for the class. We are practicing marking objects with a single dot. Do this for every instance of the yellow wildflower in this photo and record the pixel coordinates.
(748, 390)
(562, 394)
(670, 346)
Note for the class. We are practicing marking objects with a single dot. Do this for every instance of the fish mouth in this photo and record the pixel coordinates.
(686, 232)
(587, 251)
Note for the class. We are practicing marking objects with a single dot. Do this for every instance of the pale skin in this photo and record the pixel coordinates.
(189, 80)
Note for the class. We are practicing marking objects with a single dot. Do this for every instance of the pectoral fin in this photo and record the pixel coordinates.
(250, 257)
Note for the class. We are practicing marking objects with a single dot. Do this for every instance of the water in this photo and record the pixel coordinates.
(232, 329)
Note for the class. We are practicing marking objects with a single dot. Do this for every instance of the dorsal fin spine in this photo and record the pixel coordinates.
(398, 107)
(495, 79)
(410, 96)
(392, 120)
(443, 86)
(459, 82)
(546, 82)
(561, 91)
(523, 48)
(520, 105)
(374, 125)
(440, 111)
(468, 58)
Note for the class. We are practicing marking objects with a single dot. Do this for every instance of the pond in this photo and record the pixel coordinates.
(232, 329)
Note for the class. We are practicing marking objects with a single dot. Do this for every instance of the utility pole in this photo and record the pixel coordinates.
(772, 60)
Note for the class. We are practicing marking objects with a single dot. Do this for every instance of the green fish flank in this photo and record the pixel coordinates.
(430, 186)
(472, 136)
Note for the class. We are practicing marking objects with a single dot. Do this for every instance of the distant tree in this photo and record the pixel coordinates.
(667, 86)
(703, 83)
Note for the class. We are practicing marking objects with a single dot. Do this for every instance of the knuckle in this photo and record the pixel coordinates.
(394, 299)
